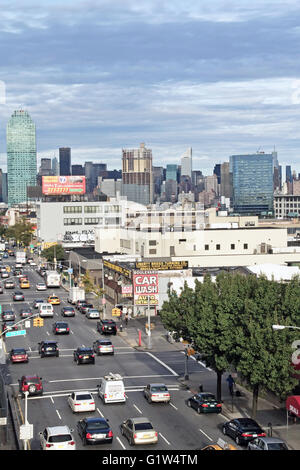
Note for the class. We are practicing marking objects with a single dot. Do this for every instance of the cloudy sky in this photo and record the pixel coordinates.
(220, 76)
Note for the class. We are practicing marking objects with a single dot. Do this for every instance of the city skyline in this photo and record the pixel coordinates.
(222, 80)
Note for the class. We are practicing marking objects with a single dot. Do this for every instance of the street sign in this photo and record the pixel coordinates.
(15, 333)
(26, 432)
(27, 324)
(70, 270)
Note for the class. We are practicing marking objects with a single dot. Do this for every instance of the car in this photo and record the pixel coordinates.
(31, 384)
(9, 284)
(107, 327)
(92, 313)
(139, 431)
(79, 303)
(48, 348)
(60, 327)
(1, 290)
(18, 355)
(41, 286)
(24, 284)
(157, 393)
(84, 356)
(9, 326)
(37, 302)
(3, 269)
(5, 255)
(8, 315)
(18, 265)
(18, 272)
(53, 299)
(57, 438)
(23, 278)
(4, 274)
(267, 443)
(103, 346)
(68, 312)
(220, 445)
(18, 296)
(81, 402)
(94, 431)
(25, 313)
(242, 430)
(204, 402)
(83, 308)
(32, 263)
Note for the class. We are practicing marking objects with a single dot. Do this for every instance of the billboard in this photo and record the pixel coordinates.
(145, 286)
(161, 265)
(55, 185)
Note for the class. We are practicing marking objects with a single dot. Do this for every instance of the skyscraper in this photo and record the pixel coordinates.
(137, 175)
(65, 161)
(252, 177)
(21, 156)
(186, 163)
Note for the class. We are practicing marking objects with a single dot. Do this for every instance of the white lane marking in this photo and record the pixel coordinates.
(199, 362)
(58, 414)
(52, 399)
(171, 404)
(121, 443)
(102, 416)
(205, 434)
(97, 378)
(163, 364)
(164, 438)
(138, 409)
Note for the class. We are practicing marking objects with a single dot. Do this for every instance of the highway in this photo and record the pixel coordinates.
(179, 427)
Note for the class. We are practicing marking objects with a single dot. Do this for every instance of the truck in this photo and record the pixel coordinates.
(2, 246)
(21, 257)
(75, 294)
(52, 279)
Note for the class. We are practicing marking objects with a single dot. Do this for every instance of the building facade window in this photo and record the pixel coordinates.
(218, 247)
(71, 221)
(232, 246)
(206, 247)
(72, 209)
(92, 209)
(92, 221)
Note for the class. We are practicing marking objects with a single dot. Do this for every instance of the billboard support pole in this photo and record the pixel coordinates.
(149, 325)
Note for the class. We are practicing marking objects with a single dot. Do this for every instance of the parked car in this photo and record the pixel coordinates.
(204, 403)
(60, 327)
(57, 438)
(81, 402)
(68, 312)
(79, 303)
(84, 356)
(32, 384)
(243, 430)
(18, 296)
(267, 443)
(4, 274)
(18, 355)
(103, 346)
(94, 431)
(48, 348)
(157, 393)
(107, 327)
(139, 431)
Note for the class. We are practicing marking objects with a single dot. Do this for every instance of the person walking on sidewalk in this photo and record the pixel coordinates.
(231, 383)
(126, 319)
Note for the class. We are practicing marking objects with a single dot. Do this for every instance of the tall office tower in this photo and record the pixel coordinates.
(252, 177)
(99, 169)
(211, 183)
(186, 163)
(65, 161)
(137, 176)
(55, 167)
(21, 156)
(4, 188)
(46, 167)
(217, 171)
(77, 170)
(171, 186)
(88, 171)
(1, 180)
(158, 177)
(226, 181)
(288, 174)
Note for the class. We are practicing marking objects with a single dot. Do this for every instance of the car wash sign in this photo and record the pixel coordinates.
(145, 287)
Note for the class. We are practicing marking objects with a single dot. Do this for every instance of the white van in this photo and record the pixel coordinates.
(46, 310)
(111, 389)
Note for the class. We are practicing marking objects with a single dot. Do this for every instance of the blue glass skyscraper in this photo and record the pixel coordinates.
(252, 179)
(21, 156)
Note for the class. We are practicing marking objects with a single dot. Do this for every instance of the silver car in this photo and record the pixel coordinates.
(93, 313)
(267, 443)
(139, 431)
(157, 393)
(57, 438)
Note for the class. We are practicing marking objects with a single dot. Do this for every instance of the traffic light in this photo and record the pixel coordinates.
(38, 321)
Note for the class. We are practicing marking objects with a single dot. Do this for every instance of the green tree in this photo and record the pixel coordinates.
(91, 287)
(54, 252)
(21, 232)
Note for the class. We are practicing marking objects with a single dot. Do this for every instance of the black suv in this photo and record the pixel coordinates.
(107, 327)
(48, 348)
(84, 355)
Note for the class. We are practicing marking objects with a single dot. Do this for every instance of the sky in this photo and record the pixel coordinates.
(220, 76)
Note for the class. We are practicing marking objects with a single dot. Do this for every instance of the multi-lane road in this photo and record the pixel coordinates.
(178, 427)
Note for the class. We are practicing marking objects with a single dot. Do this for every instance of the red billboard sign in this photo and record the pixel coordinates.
(145, 286)
(54, 185)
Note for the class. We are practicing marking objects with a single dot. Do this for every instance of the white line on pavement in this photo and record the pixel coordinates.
(164, 438)
(58, 414)
(100, 413)
(205, 434)
(138, 409)
(171, 404)
(121, 443)
(163, 364)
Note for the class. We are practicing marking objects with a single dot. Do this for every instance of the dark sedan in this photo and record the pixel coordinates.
(204, 403)
(8, 315)
(83, 308)
(25, 313)
(68, 312)
(84, 356)
(9, 326)
(60, 327)
(18, 355)
(243, 430)
(94, 431)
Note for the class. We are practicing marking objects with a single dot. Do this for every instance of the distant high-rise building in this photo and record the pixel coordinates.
(77, 170)
(171, 172)
(226, 181)
(217, 171)
(46, 167)
(55, 167)
(288, 174)
(4, 188)
(21, 156)
(65, 161)
(158, 177)
(186, 163)
(88, 171)
(137, 176)
(252, 177)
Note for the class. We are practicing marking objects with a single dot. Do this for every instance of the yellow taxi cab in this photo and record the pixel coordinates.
(53, 299)
(24, 284)
(221, 445)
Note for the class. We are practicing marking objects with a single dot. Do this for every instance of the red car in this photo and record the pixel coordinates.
(32, 384)
(9, 326)
(18, 355)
